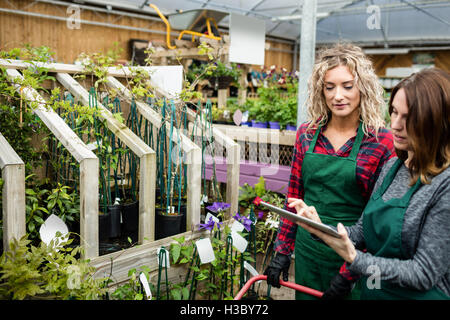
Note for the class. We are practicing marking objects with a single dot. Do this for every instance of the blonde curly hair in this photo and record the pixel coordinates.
(372, 103)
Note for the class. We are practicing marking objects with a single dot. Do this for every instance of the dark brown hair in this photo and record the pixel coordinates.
(428, 122)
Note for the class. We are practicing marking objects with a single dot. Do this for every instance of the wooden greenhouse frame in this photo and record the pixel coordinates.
(13, 173)
(145, 253)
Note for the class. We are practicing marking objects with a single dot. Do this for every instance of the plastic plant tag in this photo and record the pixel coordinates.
(237, 117)
(239, 242)
(214, 218)
(205, 250)
(93, 145)
(252, 270)
(165, 263)
(245, 116)
(146, 286)
(237, 226)
(204, 199)
(50, 227)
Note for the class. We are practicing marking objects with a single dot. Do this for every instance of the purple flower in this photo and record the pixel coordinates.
(244, 220)
(260, 214)
(218, 207)
(210, 224)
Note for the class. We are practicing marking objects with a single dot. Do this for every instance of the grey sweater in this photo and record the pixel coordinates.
(425, 235)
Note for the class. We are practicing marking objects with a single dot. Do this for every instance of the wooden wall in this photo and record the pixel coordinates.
(381, 62)
(15, 30)
(68, 44)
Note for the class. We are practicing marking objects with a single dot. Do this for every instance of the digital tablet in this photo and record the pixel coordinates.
(297, 218)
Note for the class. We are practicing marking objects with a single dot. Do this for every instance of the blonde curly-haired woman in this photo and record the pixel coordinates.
(338, 155)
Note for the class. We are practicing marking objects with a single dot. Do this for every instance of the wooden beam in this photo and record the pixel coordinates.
(78, 150)
(250, 134)
(13, 175)
(121, 262)
(52, 120)
(146, 155)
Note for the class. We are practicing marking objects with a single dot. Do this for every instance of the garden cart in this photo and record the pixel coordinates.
(291, 285)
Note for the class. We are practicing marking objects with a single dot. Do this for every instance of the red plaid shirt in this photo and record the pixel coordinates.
(371, 157)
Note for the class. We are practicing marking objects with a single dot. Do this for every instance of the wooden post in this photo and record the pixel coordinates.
(89, 174)
(194, 177)
(13, 175)
(242, 91)
(222, 96)
(147, 198)
(233, 173)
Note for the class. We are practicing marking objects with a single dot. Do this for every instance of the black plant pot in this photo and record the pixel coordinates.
(167, 225)
(130, 219)
(114, 213)
(104, 222)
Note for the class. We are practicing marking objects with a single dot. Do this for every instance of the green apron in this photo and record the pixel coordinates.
(382, 226)
(330, 186)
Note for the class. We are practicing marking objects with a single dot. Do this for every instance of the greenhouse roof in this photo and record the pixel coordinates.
(379, 23)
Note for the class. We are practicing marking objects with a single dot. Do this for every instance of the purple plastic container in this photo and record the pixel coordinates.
(257, 124)
(291, 127)
(274, 125)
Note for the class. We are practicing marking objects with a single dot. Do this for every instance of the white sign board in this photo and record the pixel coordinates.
(168, 78)
(247, 39)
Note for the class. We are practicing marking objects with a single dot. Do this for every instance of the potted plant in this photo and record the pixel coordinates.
(170, 217)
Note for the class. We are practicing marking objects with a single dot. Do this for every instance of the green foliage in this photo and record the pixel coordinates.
(214, 69)
(210, 278)
(275, 104)
(47, 272)
(132, 289)
(265, 228)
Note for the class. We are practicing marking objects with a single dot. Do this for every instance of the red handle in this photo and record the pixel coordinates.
(283, 283)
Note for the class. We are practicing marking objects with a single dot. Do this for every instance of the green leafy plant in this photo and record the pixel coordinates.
(267, 224)
(47, 272)
(213, 280)
(132, 289)
(214, 69)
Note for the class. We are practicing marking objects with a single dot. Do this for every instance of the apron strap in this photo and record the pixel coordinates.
(357, 143)
(314, 140)
(390, 177)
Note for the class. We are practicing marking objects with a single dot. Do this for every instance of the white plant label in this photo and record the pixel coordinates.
(165, 262)
(237, 226)
(239, 242)
(252, 270)
(209, 215)
(146, 286)
(205, 250)
(50, 227)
